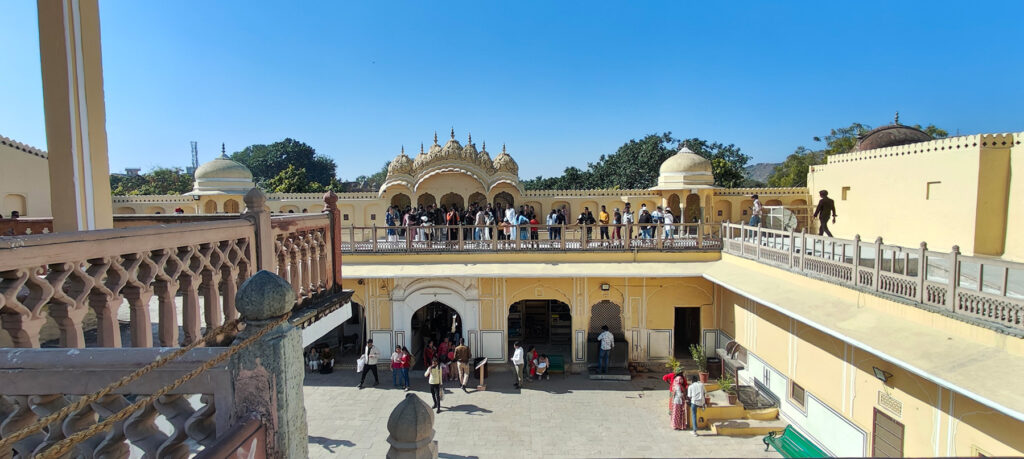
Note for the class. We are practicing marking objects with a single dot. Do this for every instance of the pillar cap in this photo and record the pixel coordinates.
(263, 296)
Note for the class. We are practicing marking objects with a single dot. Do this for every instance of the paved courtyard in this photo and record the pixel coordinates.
(571, 417)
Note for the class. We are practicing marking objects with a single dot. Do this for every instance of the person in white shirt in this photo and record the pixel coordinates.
(628, 220)
(518, 360)
(370, 356)
(696, 395)
(604, 355)
(669, 220)
(433, 375)
(755, 212)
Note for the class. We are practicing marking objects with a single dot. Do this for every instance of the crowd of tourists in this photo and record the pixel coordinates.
(484, 222)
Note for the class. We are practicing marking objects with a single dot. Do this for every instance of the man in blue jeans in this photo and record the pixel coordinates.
(604, 354)
(696, 394)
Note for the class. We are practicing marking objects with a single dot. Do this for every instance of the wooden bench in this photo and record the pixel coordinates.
(791, 444)
(556, 363)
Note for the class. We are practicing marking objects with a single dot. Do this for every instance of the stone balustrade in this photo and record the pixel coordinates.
(971, 288)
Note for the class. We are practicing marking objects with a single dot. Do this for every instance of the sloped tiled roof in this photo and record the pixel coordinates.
(23, 147)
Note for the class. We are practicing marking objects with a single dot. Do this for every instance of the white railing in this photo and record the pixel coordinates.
(966, 286)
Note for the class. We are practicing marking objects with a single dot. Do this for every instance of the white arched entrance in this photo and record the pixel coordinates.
(461, 295)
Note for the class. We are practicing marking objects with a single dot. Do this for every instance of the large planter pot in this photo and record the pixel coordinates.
(703, 376)
(733, 399)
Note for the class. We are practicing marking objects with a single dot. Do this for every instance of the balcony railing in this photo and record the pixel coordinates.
(530, 238)
(964, 286)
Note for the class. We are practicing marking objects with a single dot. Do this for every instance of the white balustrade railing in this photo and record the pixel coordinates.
(976, 287)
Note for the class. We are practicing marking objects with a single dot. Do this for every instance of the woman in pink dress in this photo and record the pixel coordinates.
(679, 387)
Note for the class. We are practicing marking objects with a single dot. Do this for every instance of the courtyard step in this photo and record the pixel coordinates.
(613, 374)
(747, 427)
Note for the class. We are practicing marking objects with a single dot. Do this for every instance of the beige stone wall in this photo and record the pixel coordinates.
(955, 191)
(24, 180)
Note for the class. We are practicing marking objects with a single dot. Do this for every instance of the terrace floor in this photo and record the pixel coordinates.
(570, 417)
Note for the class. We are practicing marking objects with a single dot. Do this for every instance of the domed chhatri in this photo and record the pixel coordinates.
(222, 176)
(504, 163)
(892, 135)
(453, 157)
(685, 169)
(402, 164)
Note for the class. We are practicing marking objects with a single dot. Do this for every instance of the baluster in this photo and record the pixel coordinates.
(201, 426)
(922, 272)
(315, 265)
(176, 410)
(69, 309)
(140, 428)
(113, 443)
(45, 405)
(78, 421)
(106, 300)
(229, 285)
(878, 262)
(189, 288)
(19, 415)
(373, 237)
(954, 278)
(140, 272)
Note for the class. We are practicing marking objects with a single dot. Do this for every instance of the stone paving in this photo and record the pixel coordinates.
(556, 418)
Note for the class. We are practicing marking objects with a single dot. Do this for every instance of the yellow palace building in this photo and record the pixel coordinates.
(900, 336)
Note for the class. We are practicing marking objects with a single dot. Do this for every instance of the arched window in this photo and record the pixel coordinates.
(478, 199)
(453, 199)
(231, 206)
(505, 199)
(401, 200)
(210, 207)
(426, 199)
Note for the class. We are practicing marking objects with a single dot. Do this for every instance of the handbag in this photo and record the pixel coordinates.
(360, 363)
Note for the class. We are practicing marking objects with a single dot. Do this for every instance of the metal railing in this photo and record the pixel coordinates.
(530, 237)
(972, 287)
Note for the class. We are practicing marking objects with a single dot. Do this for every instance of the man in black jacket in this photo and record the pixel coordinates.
(826, 208)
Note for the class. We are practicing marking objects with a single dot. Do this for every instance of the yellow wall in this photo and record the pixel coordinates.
(24, 181)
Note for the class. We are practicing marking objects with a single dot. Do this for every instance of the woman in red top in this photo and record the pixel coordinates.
(428, 353)
(533, 357)
(406, 365)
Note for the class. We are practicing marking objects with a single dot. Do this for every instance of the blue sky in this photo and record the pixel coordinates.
(560, 82)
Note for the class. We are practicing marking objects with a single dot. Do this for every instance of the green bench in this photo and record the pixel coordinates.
(791, 444)
(556, 363)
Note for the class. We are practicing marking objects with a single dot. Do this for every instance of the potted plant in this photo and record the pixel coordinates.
(674, 365)
(698, 355)
(728, 385)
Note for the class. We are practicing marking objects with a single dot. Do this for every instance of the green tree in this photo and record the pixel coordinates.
(268, 161)
(159, 181)
(292, 180)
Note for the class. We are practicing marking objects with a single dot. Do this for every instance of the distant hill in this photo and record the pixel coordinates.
(760, 171)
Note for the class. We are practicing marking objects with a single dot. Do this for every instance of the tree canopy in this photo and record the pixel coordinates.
(636, 163)
(159, 181)
(793, 171)
(267, 162)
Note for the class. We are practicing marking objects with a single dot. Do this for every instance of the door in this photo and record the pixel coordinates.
(687, 331)
(887, 439)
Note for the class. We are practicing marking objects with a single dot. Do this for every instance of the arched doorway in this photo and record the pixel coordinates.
(692, 211)
(210, 207)
(453, 199)
(478, 198)
(231, 206)
(673, 203)
(609, 314)
(426, 199)
(401, 200)
(546, 324)
(505, 199)
(434, 321)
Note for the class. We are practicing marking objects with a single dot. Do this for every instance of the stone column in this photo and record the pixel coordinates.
(76, 131)
(268, 375)
(331, 208)
(260, 218)
(411, 428)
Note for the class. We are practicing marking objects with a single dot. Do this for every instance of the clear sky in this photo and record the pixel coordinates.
(560, 82)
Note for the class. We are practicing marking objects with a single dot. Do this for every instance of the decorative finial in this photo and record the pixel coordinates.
(435, 137)
(223, 151)
(897, 119)
(421, 148)
(503, 148)
(470, 140)
(453, 133)
(403, 150)
(485, 146)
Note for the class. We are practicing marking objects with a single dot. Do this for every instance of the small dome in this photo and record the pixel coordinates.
(892, 135)
(504, 163)
(452, 149)
(484, 158)
(221, 168)
(402, 164)
(685, 169)
(469, 152)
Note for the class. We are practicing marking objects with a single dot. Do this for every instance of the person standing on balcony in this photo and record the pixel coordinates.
(604, 354)
(617, 221)
(523, 224)
(370, 356)
(479, 220)
(755, 212)
(389, 219)
(627, 219)
(462, 356)
(560, 221)
(669, 221)
(826, 208)
(603, 218)
(552, 220)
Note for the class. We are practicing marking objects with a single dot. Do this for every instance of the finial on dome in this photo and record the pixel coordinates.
(503, 148)
(421, 148)
(469, 141)
(223, 151)
(485, 145)
(453, 133)
(896, 120)
(435, 137)
(403, 150)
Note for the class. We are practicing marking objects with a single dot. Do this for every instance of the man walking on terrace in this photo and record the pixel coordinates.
(826, 208)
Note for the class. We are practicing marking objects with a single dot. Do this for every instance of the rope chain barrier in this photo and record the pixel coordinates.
(63, 447)
(8, 442)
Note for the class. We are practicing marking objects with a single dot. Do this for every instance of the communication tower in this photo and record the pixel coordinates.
(195, 158)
